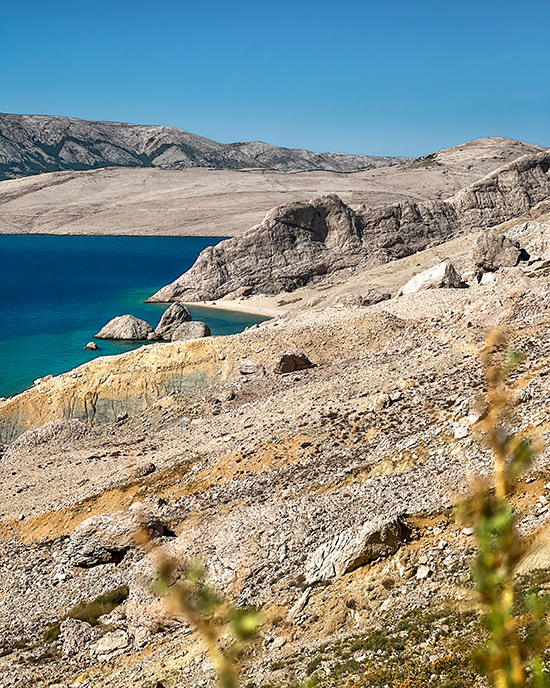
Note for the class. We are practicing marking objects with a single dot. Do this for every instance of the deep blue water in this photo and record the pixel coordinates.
(56, 292)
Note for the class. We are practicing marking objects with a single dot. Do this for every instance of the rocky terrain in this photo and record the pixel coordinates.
(214, 202)
(278, 482)
(33, 144)
(311, 462)
(299, 242)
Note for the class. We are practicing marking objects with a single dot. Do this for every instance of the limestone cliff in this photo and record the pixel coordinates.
(298, 242)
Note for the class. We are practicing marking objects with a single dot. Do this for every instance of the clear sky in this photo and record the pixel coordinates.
(381, 77)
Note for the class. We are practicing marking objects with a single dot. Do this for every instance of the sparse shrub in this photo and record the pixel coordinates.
(224, 628)
(512, 656)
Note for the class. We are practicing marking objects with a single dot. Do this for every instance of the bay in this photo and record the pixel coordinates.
(56, 292)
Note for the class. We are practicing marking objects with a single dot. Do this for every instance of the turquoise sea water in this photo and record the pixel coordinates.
(56, 292)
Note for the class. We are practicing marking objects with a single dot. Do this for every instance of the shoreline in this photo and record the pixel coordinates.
(268, 310)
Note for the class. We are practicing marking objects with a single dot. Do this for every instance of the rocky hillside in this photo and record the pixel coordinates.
(207, 202)
(32, 144)
(321, 494)
(299, 242)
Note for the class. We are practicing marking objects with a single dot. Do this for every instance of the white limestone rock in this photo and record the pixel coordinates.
(125, 327)
(442, 276)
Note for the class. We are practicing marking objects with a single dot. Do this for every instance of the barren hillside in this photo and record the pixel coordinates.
(33, 144)
(227, 202)
(272, 480)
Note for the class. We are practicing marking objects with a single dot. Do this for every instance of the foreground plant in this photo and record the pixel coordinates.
(512, 657)
(224, 628)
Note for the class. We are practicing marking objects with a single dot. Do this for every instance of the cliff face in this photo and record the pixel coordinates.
(32, 144)
(298, 242)
(295, 243)
(101, 390)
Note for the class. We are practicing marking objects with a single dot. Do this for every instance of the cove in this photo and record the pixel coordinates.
(56, 292)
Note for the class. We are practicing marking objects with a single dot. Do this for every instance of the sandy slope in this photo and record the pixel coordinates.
(206, 202)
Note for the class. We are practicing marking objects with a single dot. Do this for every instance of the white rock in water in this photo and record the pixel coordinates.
(125, 327)
(442, 276)
(172, 318)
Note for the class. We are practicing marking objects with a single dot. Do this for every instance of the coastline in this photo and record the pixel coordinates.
(264, 306)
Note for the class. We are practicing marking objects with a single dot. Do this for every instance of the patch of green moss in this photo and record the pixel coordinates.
(51, 633)
(103, 604)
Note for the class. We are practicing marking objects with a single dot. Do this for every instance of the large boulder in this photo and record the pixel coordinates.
(493, 250)
(292, 360)
(106, 538)
(354, 547)
(190, 330)
(125, 327)
(442, 276)
(174, 316)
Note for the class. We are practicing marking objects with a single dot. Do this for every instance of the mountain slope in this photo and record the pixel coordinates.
(206, 202)
(298, 242)
(32, 144)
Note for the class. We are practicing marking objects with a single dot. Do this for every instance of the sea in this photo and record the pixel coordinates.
(56, 292)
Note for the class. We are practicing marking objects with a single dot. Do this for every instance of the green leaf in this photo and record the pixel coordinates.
(513, 357)
(244, 622)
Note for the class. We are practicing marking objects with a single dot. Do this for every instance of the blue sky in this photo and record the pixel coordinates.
(376, 77)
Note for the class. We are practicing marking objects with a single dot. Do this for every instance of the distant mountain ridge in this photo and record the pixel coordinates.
(32, 144)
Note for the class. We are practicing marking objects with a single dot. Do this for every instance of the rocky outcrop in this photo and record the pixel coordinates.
(174, 316)
(292, 360)
(107, 537)
(190, 330)
(75, 635)
(31, 144)
(296, 243)
(442, 276)
(125, 327)
(354, 547)
(493, 250)
(299, 242)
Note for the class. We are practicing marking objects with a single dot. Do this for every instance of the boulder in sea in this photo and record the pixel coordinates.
(174, 316)
(442, 276)
(190, 330)
(493, 250)
(125, 327)
(91, 346)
